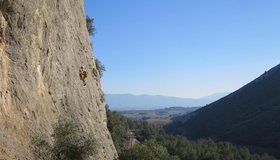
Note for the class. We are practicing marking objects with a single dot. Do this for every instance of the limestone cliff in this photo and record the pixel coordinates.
(43, 43)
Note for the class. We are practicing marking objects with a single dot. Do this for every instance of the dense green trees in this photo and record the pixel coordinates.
(155, 144)
(118, 126)
(149, 149)
(206, 149)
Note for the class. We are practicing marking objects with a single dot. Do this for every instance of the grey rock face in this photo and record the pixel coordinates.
(43, 44)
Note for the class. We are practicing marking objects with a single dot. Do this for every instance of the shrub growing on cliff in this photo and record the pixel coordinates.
(90, 27)
(100, 67)
(41, 148)
(68, 144)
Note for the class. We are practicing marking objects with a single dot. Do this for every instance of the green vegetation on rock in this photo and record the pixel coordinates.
(100, 67)
(90, 26)
(68, 144)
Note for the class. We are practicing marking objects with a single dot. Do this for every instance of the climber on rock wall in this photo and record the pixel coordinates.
(83, 74)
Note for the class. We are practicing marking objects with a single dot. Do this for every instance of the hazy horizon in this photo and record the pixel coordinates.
(222, 93)
(149, 102)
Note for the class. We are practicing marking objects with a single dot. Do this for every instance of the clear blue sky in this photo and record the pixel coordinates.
(184, 48)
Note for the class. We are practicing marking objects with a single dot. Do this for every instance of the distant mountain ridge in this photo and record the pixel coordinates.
(147, 102)
(248, 116)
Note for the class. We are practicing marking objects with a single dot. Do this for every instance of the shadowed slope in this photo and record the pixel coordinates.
(249, 116)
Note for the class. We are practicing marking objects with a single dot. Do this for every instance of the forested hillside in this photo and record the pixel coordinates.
(249, 116)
